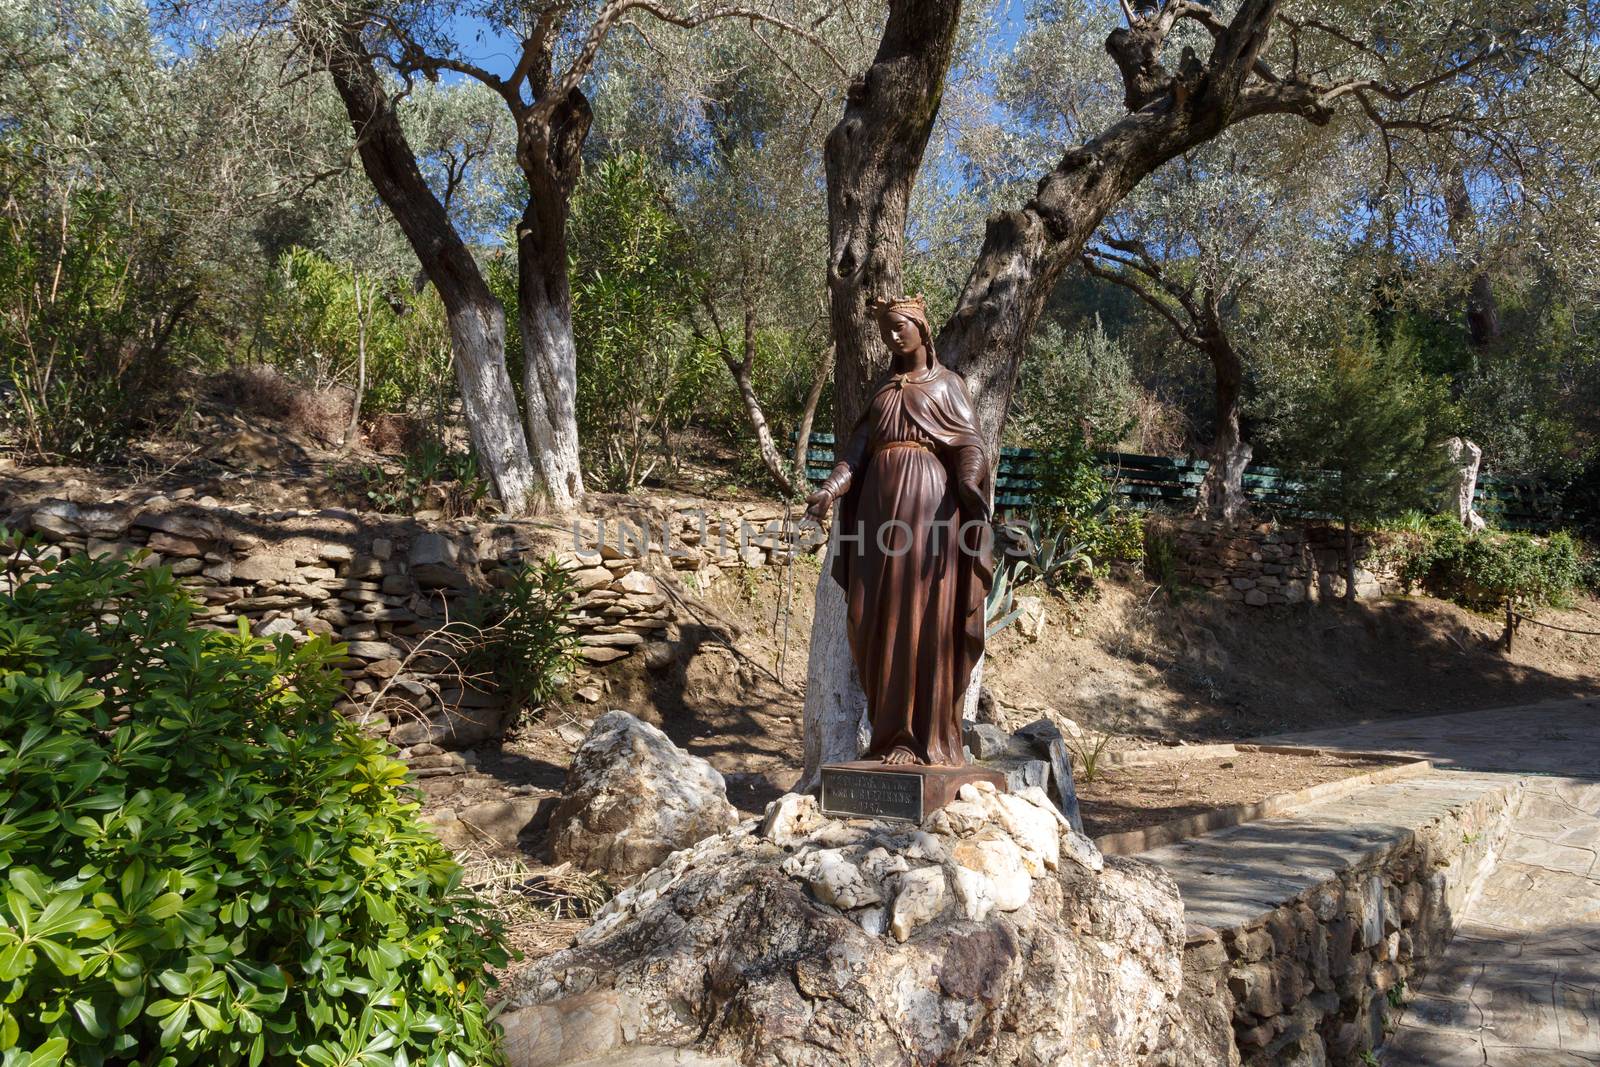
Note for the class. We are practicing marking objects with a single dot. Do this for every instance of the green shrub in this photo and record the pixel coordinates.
(431, 478)
(314, 311)
(1482, 570)
(91, 312)
(1411, 545)
(525, 637)
(203, 864)
(1589, 571)
(1078, 503)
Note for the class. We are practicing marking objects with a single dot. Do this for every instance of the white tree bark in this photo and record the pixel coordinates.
(835, 727)
(550, 385)
(477, 338)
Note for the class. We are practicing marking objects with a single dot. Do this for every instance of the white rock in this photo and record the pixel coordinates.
(1078, 848)
(880, 864)
(925, 846)
(996, 856)
(921, 897)
(1031, 621)
(636, 582)
(790, 819)
(1035, 822)
(280, 625)
(632, 798)
(833, 879)
(873, 920)
(974, 891)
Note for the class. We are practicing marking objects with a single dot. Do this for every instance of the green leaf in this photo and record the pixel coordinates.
(94, 1018)
(172, 1029)
(177, 983)
(49, 1054)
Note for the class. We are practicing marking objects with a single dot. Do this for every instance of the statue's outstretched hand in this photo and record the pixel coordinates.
(817, 506)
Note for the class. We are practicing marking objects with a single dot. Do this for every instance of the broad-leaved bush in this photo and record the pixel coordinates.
(203, 864)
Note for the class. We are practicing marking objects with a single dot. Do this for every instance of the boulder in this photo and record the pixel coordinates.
(56, 519)
(1032, 618)
(438, 562)
(632, 798)
(986, 741)
(992, 934)
(1050, 744)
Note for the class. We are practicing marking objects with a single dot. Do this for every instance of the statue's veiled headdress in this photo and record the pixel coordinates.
(910, 307)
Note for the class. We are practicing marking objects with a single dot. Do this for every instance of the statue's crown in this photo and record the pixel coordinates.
(882, 305)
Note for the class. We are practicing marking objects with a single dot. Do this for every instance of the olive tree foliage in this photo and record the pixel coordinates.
(1264, 225)
(557, 47)
(1176, 75)
(132, 174)
(736, 123)
(1237, 247)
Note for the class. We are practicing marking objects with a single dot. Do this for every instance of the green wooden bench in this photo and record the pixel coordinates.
(1151, 482)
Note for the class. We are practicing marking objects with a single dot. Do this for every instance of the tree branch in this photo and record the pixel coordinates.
(614, 10)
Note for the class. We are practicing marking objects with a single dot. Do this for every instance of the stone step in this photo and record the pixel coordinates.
(1230, 877)
(1300, 925)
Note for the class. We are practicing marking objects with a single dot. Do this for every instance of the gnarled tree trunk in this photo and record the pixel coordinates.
(1222, 495)
(475, 317)
(549, 152)
(549, 360)
(871, 159)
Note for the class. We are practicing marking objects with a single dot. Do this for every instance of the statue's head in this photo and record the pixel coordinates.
(903, 324)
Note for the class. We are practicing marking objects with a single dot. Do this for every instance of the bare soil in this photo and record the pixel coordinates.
(1132, 798)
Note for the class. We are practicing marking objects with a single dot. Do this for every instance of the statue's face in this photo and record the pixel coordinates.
(900, 334)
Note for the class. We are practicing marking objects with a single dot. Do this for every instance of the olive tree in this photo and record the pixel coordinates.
(558, 45)
(1184, 72)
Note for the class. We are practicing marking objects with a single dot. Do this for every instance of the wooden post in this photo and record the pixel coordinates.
(1511, 623)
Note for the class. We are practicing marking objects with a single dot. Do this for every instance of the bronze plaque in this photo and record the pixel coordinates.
(872, 794)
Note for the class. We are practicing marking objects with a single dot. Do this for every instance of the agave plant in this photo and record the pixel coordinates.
(999, 609)
(1044, 550)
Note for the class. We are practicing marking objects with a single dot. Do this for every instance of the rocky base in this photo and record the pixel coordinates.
(991, 934)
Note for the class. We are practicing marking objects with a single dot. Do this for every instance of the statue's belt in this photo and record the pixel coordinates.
(921, 445)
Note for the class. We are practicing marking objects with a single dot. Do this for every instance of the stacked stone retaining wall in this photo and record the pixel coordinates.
(1264, 564)
(1318, 979)
(387, 586)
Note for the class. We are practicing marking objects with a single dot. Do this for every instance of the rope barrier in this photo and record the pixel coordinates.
(1515, 619)
(1521, 618)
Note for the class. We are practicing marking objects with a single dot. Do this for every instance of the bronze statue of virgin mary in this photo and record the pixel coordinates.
(913, 553)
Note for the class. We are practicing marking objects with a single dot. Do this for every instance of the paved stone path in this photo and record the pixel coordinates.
(1230, 878)
(1520, 984)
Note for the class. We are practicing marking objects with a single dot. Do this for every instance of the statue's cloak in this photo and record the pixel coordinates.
(938, 407)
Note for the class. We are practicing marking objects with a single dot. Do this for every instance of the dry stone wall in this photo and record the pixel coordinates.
(1265, 564)
(387, 586)
(1316, 981)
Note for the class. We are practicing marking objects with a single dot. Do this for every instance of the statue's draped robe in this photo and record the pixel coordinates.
(915, 596)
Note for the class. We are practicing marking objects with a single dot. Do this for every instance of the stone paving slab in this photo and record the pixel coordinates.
(1229, 878)
(1559, 737)
(1520, 984)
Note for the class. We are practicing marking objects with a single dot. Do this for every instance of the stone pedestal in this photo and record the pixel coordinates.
(868, 789)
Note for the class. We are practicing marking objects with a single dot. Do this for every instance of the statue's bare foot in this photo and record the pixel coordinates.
(900, 756)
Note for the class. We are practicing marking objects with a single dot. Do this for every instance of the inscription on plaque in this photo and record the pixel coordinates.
(871, 794)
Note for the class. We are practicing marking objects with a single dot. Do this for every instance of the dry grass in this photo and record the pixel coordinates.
(543, 908)
(323, 414)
